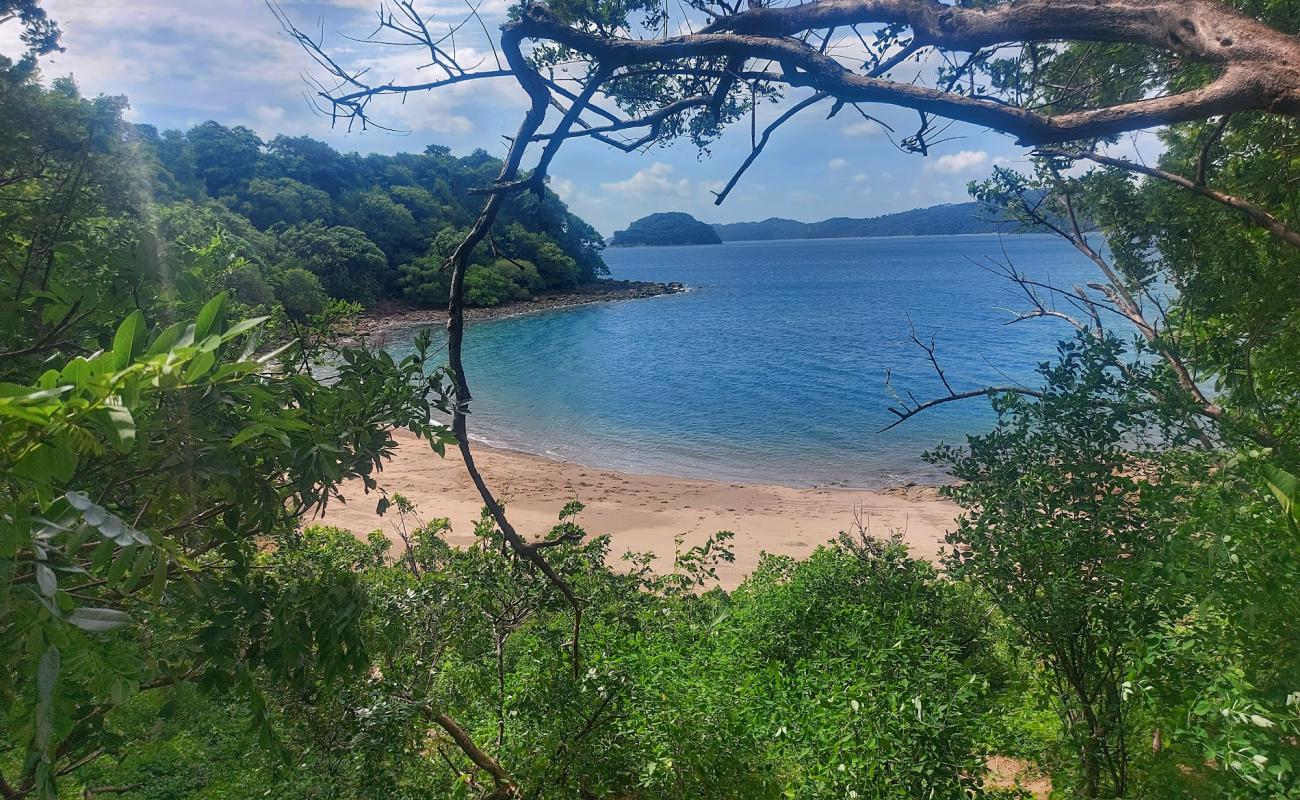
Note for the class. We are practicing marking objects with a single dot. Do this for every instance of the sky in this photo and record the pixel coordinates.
(181, 62)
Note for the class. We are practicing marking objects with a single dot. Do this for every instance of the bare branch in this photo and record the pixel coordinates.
(653, 121)
(539, 97)
(1202, 161)
(1254, 213)
(906, 412)
(757, 149)
(1250, 76)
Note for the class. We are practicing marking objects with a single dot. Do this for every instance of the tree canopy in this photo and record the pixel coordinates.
(1118, 602)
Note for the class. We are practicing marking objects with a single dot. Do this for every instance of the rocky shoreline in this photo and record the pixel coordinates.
(382, 318)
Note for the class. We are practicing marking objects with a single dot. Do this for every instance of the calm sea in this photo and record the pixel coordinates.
(772, 368)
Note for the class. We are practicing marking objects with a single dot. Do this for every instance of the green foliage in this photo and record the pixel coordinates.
(40, 34)
(1082, 586)
(224, 158)
(321, 208)
(1214, 671)
(148, 583)
(1119, 606)
(153, 448)
(427, 280)
(358, 223)
(301, 294)
(879, 701)
(528, 262)
(283, 201)
(348, 264)
(390, 225)
(1150, 587)
(485, 286)
(666, 228)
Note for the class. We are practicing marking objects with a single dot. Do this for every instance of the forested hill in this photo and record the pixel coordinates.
(944, 220)
(667, 228)
(366, 227)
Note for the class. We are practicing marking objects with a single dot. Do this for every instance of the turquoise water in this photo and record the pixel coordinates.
(772, 367)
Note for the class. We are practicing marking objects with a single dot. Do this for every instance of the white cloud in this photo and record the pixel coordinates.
(836, 163)
(564, 188)
(654, 182)
(863, 128)
(185, 62)
(861, 177)
(957, 163)
(573, 194)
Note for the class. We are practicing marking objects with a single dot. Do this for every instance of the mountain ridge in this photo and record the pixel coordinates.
(667, 228)
(949, 219)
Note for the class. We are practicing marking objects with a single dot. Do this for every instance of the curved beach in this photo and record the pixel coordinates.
(644, 512)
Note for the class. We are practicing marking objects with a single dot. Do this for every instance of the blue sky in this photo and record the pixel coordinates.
(185, 61)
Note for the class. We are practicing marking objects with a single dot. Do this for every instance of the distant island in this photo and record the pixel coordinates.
(666, 228)
(672, 228)
(945, 220)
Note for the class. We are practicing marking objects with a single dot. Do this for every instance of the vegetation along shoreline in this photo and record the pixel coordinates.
(385, 317)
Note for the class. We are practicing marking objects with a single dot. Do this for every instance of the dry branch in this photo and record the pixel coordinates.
(1254, 213)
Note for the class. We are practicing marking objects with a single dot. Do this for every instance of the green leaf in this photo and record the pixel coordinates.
(77, 371)
(128, 340)
(14, 393)
(125, 558)
(208, 316)
(256, 429)
(46, 464)
(242, 327)
(159, 582)
(47, 678)
(46, 580)
(143, 561)
(1285, 487)
(121, 427)
(99, 620)
(200, 366)
(182, 334)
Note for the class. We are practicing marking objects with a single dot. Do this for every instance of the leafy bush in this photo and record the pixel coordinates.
(249, 286)
(301, 294)
(349, 265)
(486, 287)
(523, 274)
(426, 281)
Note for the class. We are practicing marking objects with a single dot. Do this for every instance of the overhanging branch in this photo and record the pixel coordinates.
(1252, 212)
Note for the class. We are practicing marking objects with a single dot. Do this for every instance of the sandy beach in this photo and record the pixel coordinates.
(383, 318)
(644, 512)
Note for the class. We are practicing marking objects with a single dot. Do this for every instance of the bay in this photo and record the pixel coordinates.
(772, 368)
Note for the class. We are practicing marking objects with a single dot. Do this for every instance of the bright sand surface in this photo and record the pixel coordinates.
(643, 512)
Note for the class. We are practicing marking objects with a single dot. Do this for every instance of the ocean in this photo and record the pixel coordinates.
(772, 367)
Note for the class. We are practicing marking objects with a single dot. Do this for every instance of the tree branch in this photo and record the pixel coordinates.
(757, 149)
(1254, 213)
(459, 261)
(1260, 67)
(505, 785)
(906, 412)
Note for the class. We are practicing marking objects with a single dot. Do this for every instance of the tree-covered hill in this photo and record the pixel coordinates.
(666, 228)
(670, 228)
(365, 226)
(944, 220)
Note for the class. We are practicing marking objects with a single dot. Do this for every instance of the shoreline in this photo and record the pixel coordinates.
(897, 483)
(642, 512)
(388, 316)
